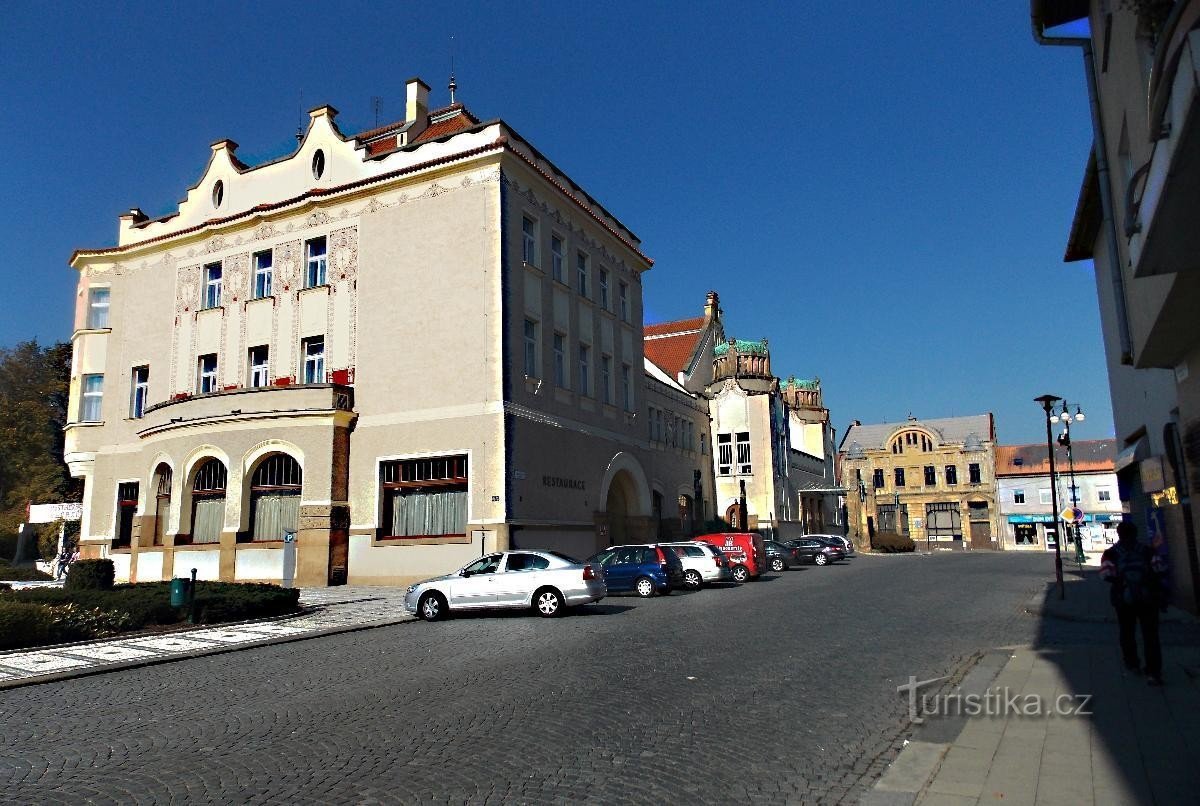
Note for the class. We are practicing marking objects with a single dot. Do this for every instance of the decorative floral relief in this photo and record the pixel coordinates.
(236, 272)
(287, 261)
(264, 232)
(318, 218)
(344, 252)
(214, 244)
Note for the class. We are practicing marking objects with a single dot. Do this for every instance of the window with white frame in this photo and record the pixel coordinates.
(212, 285)
(529, 241)
(1018, 496)
(556, 258)
(259, 361)
(531, 349)
(313, 349)
(206, 373)
(626, 388)
(724, 454)
(91, 399)
(97, 315)
(606, 379)
(139, 391)
(560, 361)
(1044, 496)
(623, 299)
(581, 274)
(743, 452)
(424, 497)
(602, 280)
(314, 253)
(262, 274)
(1103, 494)
(585, 369)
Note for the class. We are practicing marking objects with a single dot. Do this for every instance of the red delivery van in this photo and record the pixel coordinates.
(745, 550)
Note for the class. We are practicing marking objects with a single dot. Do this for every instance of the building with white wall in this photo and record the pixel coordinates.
(1135, 220)
(1023, 492)
(406, 347)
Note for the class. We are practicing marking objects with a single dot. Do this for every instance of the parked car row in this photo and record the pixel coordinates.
(550, 582)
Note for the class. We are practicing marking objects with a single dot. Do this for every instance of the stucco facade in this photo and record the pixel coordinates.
(1135, 219)
(933, 480)
(436, 330)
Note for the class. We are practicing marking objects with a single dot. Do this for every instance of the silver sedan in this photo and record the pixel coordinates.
(546, 581)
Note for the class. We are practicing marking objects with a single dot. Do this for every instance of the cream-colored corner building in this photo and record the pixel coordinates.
(771, 442)
(1136, 221)
(406, 347)
(933, 480)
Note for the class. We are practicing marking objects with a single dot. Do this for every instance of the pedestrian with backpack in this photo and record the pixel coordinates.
(1137, 576)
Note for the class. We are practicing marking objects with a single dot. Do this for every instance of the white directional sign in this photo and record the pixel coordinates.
(49, 513)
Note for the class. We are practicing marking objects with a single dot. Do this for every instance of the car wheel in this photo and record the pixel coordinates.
(644, 587)
(821, 559)
(741, 574)
(548, 602)
(777, 565)
(432, 607)
(692, 580)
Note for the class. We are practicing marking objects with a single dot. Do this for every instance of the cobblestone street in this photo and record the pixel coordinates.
(782, 689)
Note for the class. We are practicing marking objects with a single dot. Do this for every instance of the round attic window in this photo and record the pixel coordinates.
(318, 165)
(218, 193)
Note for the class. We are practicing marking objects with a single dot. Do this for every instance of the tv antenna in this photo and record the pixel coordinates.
(376, 104)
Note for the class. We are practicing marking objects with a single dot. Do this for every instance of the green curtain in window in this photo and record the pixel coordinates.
(275, 514)
(429, 513)
(210, 517)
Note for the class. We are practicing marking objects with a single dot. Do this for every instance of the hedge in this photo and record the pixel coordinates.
(21, 573)
(53, 615)
(95, 575)
(892, 543)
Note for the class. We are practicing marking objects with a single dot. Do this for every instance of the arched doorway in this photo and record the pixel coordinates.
(275, 497)
(686, 525)
(162, 501)
(619, 506)
(208, 501)
(733, 516)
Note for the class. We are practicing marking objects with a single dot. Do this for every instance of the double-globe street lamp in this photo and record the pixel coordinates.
(1066, 418)
(1048, 402)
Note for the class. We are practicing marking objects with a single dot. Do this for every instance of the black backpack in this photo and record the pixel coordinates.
(1138, 584)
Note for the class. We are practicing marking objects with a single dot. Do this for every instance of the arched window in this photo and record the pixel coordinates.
(162, 501)
(275, 497)
(208, 501)
(916, 440)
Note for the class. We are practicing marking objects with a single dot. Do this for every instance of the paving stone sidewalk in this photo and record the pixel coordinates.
(332, 610)
(1028, 744)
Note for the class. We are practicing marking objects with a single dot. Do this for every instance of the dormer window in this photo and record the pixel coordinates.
(218, 194)
(318, 164)
(916, 440)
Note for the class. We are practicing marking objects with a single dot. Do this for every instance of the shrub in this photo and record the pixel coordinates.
(23, 624)
(21, 573)
(70, 622)
(892, 543)
(94, 575)
(230, 601)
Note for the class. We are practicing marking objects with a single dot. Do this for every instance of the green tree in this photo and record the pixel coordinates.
(34, 387)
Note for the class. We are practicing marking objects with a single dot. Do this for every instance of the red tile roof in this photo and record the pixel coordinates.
(671, 345)
(681, 326)
(1091, 456)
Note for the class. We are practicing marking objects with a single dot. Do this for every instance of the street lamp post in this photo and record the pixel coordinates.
(1048, 402)
(1064, 439)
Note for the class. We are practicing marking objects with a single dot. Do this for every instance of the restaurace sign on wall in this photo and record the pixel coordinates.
(559, 481)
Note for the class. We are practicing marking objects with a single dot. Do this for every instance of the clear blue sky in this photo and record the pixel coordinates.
(882, 189)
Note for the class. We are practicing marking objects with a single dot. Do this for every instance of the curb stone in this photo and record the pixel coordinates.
(221, 649)
(918, 762)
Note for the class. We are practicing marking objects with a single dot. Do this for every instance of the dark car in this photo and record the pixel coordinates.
(780, 557)
(813, 550)
(644, 568)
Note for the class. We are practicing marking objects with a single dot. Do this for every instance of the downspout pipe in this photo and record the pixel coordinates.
(1102, 174)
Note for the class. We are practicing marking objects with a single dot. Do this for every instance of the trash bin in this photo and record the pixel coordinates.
(179, 592)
